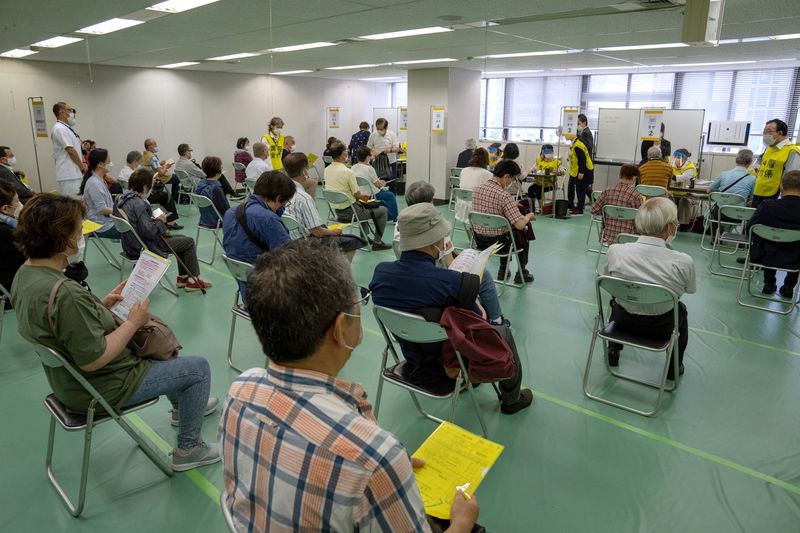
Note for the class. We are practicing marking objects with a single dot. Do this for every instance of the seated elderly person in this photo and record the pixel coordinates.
(364, 169)
(738, 180)
(493, 199)
(11, 257)
(464, 156)
(306, 416)
(187, 164)
(132, 162)
(261, 162)
(623, 194)
(83, 329)
(655, 171)
(7, 174)
(414, 284)
(650, 261)
(339, 178)
(782, 213)
(210, 187)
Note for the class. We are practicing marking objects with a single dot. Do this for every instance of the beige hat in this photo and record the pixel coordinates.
(421, 225)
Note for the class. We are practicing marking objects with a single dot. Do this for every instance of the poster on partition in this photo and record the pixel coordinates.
(333, 117)
(39, 120)
(650, 125)
(569, 122)
(403, 118)
(437, 119)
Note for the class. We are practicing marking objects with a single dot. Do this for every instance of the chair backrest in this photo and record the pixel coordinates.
(183, 177)
(462, 194)
(292, 225)
(238, 269)
(455, 172)
(736, 212)
(775, 234)
(596, 195)
(4, 293)
(123, 226)
(726, 198)
(484, 220)
(335, 197)
(363, 182)
(651, 191)
(409, 327)
(619, 213)
(250, 183)
(201, 200)
(238, 166)
(455, 181)
(625, 238)
(635, 291)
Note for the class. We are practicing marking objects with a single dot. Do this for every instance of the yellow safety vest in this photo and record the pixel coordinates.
(573, 159)
(678, 171)
(543, 165)
(275, 150)
(770, 170)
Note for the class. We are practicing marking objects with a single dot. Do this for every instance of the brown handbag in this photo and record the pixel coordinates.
(154, 340)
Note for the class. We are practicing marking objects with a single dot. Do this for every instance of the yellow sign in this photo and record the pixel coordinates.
(403, 118)
(453, 457)
(39, 120)
(650, 126)
(569, 123)
(333, 117)
(437, 119)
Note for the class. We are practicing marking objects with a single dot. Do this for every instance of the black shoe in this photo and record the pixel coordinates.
(613, 357)
(237, 196)
(175, 226)
(740, 260)
(769, 289)
(525, 274)
(786, 292)
(380, 245)
(525, 399)
(671, 373)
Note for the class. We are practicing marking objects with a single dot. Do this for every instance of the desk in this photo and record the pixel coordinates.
(531, 178)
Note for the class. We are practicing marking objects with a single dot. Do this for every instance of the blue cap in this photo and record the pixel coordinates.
(547, 150)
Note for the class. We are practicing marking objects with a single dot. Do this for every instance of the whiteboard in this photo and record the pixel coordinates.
(618, 133)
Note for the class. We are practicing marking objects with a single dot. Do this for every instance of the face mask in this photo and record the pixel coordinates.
(155, 149)
(71, 119)
(671, 238)
(247, 147)
(108, 166)
(360, 332)
(769, 140)
(278, 131)
(77, 257)
(11, 161)
(381, 132)
(548, 157)
(441, 255)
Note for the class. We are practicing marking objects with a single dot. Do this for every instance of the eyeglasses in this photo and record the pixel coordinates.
(365, 294)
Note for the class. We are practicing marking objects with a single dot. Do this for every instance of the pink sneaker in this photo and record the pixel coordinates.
(196, 285)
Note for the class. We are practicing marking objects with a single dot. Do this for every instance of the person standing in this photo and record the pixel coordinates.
(358, 139)
(780, 156)
(275, 140)
(67, 150)
(585, 133)
(581, 175)
(384, 140)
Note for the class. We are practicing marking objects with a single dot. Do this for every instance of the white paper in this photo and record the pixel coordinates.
(149, 270)
(157, 212)
(474, 261)
(650, 126)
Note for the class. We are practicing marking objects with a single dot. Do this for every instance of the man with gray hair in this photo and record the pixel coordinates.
(463, 158)
(737, 180)
(649, 260)
(261, 161)
(655, 171)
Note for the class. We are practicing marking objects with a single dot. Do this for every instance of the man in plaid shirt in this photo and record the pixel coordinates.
(302, 450)
(623, 194)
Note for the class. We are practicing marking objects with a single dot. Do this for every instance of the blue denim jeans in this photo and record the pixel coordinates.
(110, 233)
(389, 201)
(186, 382)
(487, 294)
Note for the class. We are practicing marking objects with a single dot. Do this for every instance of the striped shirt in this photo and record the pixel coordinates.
(623, 195)
(491, 198)
(655, 172)
(303, 452)
(303, 208)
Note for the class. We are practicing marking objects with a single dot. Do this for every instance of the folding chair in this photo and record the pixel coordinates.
(4, 295)
(364, 182)
(237, 166)
(336, 197)
(204, 202)
(186, 188)
(464, 195)
(595, 221)
(483, 220)
(226, 512)
(294, 228)
(641, 293)
(454, 181)
(71, 421)
(320, 175)
(413, 328)
(101, 247)
(719, 199)
(614, 212)
(651, 191)
(741, 215)
(123, 226)
(250, 184)
(777, 235)
(239, 270)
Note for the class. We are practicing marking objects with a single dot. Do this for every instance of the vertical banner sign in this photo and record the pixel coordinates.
(437, 119)
(569, 122)
(650, 126)
(39, 120)
(333, 117)
(403, 118)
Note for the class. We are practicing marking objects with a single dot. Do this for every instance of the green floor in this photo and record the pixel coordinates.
(722, 456)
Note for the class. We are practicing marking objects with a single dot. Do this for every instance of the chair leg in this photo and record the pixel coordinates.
(377, 405)
(230, 344)
(213, 250)
(168, 286)
(105, 252)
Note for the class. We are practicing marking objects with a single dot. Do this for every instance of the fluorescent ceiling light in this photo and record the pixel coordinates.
(55, 42)
(109, 26)
(381, 79)
(297, 47)
(405, 33)
(179, 65)
(17, 53)
(513, 72)
(634, 67)
(419, 61)
(641, 47)
(285, 73)
(785, 36)
(710, 64)
(348, 67)
(530, 54)
(177, 6)
(232, 56)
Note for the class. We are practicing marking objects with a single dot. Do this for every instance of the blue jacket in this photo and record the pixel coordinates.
(212, 189)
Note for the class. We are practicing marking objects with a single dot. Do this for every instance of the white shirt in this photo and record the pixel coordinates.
(256, 167)
(368, 173)
(649, 260)
(62, 137)
(470, 178)
(378, 142)
(125, 173)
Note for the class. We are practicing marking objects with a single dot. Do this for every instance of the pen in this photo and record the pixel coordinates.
(463, 488)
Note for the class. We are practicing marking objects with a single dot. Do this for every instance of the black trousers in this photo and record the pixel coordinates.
(655, 326)
(789, 282)
(226, 186)
(758, 199)
(582, 187)
(523, 245)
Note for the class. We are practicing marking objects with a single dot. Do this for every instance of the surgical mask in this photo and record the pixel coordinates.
(77, 257)
(17, 211)
(769, 140)
(548, 157)
(441, 255)
(155, 149)
(108, 166)
(360, 332)
(71, 119)
(278, 131)
(11, 161)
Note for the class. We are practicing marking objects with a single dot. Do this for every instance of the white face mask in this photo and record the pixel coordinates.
(671, 237)
(278, 131)
(442, 254)
(71, 119)
(360, 332)
(77, 257)
(108, 166)
(548, 157)
(11, 161)
(769, 140)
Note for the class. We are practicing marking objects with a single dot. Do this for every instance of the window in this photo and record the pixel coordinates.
(604, 91)
(400, 94)
(492, 108)
(706, 90)
(760, 95)
(533, 105)
(632, 91)
(651, 90)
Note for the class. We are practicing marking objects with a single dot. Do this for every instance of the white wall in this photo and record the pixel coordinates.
(122, 106)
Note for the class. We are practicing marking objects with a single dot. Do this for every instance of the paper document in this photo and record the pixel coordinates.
(157, 212)
(474, 261)
(312, 158)
(89, 227)
(338, 226)
(149, 270)
(454, 458)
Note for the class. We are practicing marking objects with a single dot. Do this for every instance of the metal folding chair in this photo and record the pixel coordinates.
(237, 166)
(71, 421)
(777, 235)
(641, 293)
(239, 270)
(464, 195)
(612, 212)
(295, 229)
(413, 328)
(123, 226)
(336, 197)
(453, 181)
(740, 215)
(719, 199)
(101, 247)
(187, 186)
(364, 182)
(204, 202)
(652, 191)
(483, 220)
(596, 221)
(226, 512)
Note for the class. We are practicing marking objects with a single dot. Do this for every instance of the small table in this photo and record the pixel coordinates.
(531, 178)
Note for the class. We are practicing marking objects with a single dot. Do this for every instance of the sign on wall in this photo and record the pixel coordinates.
(569, 122)
(403, 118)
(437, 119)
(333, 117)
(651, 124)
(39, 119)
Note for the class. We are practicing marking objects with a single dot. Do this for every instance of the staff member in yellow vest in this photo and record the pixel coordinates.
(581, 175)
(780, 157)
(274, 139)
(547, 163)
(683, 170)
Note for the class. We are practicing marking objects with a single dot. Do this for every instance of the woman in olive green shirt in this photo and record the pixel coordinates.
(85, 332)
